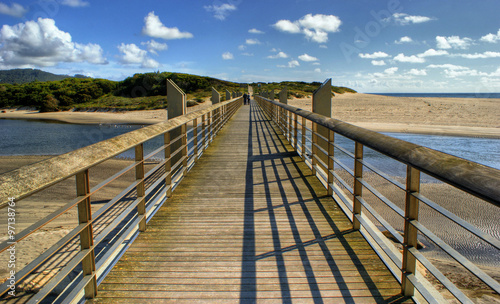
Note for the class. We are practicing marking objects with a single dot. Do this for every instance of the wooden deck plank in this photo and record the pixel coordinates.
(250, 223)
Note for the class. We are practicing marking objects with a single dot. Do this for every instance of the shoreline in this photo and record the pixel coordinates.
(468, 117)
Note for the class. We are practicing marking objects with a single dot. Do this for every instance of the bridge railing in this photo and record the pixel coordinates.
(86, 252)
(355, 184)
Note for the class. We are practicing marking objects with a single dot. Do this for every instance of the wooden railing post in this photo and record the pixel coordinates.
(289, 126)
(304, 139)
(87, 234)
(195, 138)
(331, 150)
(295, 133)
(168, 164)
(358, 187)
(184, 149)
(140, 189)
(313, 147)
(410, 232)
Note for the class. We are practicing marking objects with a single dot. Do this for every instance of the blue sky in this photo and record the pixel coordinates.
(370, 46)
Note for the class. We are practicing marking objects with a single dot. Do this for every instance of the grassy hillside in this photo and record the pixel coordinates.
(19, 76)
(138, 92)
(297, 89)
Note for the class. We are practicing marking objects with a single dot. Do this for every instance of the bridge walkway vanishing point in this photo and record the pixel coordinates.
(250, 223)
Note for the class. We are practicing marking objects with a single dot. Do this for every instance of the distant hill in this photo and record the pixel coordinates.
(19, 76)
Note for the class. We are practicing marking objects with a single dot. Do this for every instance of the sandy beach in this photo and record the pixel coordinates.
(449, 116)
(444, 116)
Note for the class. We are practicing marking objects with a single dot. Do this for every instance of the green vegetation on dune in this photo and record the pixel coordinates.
(138, 92)
(17, 76)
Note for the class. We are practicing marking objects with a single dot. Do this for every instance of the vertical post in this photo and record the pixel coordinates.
(140, 189)
(176, 107)
(313, 147)
(168, 164)
(304, 139)
(322, 104)
(289, 126)
(184, 149)
(204, 130)
(410, 232)
(358, 188)
(228, 95)
(195, 137)
(331, 150)
(295, 133)
(86, 236)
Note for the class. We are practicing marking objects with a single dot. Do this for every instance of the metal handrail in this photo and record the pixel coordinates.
(476, 179)
(26, 181)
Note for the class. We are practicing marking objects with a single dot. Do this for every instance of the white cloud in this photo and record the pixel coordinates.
(132, 54)
(154, 46)
(378, 62)
(405, 19)
(453, 42)
(15, 10)
(307, 58)
(318, 70)
(314, 27)
(41, 43)
(75, 3)
(480, 56)
(375, 55)
(247, 54)
(242, 47)
(227, 56)
(417, 72)
(323, 46)
(153, 27)
(220, 11)
(433, 52)
(447, 66)
(278, 55)
(255, 31)
(411, 59)
(391, 71)
(291, 64)
(491, 38)
(404, 39)
(252, 41)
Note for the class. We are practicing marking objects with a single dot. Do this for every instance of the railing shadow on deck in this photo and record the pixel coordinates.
(73, 266)
(269, 143)
(321, 154)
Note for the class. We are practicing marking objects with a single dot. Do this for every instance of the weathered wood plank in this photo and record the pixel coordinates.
(250, 223)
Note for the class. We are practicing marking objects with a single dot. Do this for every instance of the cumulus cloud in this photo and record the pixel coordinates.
(433, 52)
(307, 58)
(417, 72)
(255, 31)
(227, 56)
(374, 55)
(220, 11)
(453, 42)
(447, 66)
(479, 55)
(405, 19)
(391, 71)
(75, 3)
(410, 59)
(291, 64)
(378, 62)
(404, 39)
(314, 27)
(278, 55)
(14, 10)
(132, 54)
(153, 27)
(491, 38)
(41, 43)
(154, 46)
(252, 41)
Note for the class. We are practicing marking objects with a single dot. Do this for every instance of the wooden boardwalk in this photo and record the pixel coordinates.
(250, 224)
